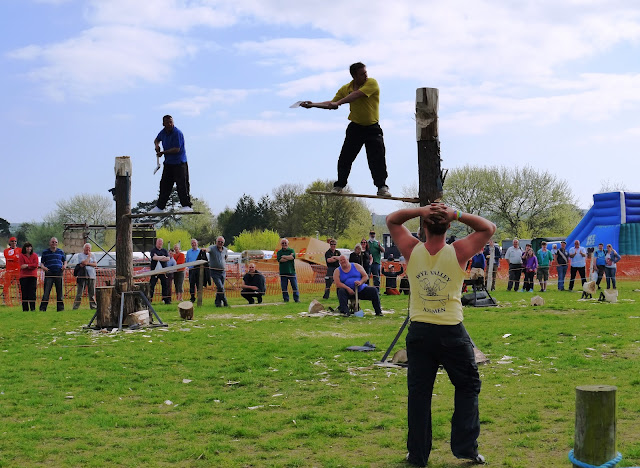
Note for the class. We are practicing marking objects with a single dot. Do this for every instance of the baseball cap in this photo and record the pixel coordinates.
(13, 239)
(372, 232)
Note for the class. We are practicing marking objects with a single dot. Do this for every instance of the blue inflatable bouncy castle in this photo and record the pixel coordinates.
(613, 219)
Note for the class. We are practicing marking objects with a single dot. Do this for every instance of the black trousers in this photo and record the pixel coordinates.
(166, 297)
(515, 270)
(177, 174)
(28, 286)
(250, 294)
(429, 346)
(579, 270)
(371, 137)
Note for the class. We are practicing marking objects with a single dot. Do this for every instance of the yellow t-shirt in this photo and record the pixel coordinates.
(365, 110)
(436, 286)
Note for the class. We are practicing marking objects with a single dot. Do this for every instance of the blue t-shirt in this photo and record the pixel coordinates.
(175, 139)
(53, 261)
(192, 256)
(599, 255)
(478, 261)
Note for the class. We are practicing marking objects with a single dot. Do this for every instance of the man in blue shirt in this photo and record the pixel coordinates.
(175, 169)
(192, 256)
(53, 262)
(599, 255)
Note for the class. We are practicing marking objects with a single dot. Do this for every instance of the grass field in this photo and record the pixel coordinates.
(263, 386)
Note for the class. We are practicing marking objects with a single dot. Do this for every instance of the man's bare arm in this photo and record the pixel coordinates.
(320, 105)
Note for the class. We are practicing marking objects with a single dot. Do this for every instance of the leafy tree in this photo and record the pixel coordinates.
(256, 240)
(5, 227)
(175, 236)
(359, 227)
(248, 216)
(328, 215)
(522, 202)
(202, 226)
(287, 210)
(223, 220)
(39, 234)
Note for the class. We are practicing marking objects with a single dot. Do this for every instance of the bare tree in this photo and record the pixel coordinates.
(86, 208)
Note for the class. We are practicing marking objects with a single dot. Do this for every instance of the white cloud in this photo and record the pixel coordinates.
(205, 98)
(166, 15)
(102, 60)
(276, 127)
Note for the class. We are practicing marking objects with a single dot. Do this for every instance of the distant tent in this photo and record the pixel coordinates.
(613, 219)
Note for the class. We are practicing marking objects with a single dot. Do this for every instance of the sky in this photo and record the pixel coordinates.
(553, 85)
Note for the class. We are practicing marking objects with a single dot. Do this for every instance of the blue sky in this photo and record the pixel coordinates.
(555, 85)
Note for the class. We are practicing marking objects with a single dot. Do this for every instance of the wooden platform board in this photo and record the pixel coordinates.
(360, 195)
(171, 269)
(162, 214)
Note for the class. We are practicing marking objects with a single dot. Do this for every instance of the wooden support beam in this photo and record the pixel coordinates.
(163, 214)
(171, 269)
(360, 195)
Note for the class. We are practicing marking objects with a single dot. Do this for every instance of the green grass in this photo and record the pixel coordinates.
(270, 388)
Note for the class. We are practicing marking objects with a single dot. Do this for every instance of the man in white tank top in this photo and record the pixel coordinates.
(436, 335)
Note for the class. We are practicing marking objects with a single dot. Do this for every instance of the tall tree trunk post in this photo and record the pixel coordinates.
(124, 241)
(429, 171)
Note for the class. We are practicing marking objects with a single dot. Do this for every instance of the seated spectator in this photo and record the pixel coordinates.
(391, 282)
(348, 277)
(253, 285)
(478, 262)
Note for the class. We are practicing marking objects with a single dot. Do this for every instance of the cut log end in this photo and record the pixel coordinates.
(186, 310)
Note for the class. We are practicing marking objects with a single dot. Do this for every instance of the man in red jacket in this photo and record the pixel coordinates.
(11, 274)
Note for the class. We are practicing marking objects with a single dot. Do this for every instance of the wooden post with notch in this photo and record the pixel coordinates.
(595, 431)
(429, 170)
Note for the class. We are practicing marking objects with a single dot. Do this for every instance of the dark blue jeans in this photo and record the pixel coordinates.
(49, 282)
(562, 272)
(284, 279)
(218, 277)
(429, 346)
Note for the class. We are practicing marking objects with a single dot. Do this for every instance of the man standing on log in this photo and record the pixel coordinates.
(176, 169)
(363, 96)
(159, 254)
(436, 335)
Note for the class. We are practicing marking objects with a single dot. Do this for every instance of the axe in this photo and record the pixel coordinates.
(158, 165)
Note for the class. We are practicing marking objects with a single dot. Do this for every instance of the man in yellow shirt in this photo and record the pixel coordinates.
(363, 96)
(436, 271)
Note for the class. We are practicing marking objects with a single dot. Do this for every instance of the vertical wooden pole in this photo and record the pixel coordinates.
(595, 432)
(200, 284)
(124, 241)
(429, 171)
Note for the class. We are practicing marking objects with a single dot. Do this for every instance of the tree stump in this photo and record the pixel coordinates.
(105, 318)
(595, 436)
(186, 310)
